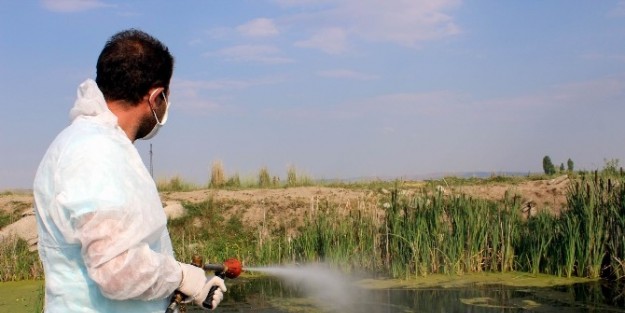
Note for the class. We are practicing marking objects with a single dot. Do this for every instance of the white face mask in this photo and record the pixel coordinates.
(158, 124)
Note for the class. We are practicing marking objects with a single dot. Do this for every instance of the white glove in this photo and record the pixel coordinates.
(195, 285)
(218, 295)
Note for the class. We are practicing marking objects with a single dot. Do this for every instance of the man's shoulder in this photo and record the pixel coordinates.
(85, 137)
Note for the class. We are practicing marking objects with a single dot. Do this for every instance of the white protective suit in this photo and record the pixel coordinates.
(102, 230)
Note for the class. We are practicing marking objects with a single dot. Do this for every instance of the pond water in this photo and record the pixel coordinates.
(320, 294)
(271, 295)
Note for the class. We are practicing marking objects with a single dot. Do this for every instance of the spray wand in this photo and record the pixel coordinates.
(231, 268)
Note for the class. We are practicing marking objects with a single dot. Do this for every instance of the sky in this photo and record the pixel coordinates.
(338, 89)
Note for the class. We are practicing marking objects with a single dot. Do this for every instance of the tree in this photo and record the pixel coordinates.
(561, 167)
(570, 166)
(548, 166)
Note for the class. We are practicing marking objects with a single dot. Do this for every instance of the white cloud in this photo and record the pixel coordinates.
(70, 6)
(403, 22)
(252, 53)
(334, 26)
(260, 27)
(330, 40)
(347, 74)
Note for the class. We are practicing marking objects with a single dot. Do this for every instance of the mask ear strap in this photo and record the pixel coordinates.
(152, 94)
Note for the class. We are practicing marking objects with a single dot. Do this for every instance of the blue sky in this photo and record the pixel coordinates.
(338, 89)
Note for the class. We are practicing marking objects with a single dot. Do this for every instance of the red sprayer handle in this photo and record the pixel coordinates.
(231, 268)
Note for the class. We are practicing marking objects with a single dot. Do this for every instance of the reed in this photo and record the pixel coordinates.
(569, 239)
(587, 205)
(336, 237)
(535, 241)
(616, 229)
(508, 220)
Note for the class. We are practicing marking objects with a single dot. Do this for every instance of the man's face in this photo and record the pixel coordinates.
(158, 107)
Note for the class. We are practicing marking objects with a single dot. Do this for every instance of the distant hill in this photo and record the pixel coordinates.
(436, 175)
(477, 174)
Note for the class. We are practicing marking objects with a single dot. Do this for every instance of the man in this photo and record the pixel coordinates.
(102, 230)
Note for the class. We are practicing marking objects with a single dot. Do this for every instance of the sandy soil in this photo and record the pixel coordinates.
(287, 206)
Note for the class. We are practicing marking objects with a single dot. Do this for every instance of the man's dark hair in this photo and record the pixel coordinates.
(130, 64)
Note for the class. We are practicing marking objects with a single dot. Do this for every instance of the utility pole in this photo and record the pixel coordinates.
(151, 167)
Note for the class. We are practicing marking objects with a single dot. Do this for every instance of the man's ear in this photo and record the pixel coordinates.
(155, 93)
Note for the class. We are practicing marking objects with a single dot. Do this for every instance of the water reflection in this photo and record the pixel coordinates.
(268, 295)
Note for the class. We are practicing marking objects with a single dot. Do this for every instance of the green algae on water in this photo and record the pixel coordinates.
(514, 279)
(488, 302)
(24, 296)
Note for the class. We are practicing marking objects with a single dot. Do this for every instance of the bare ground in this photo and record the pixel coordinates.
(287, 206)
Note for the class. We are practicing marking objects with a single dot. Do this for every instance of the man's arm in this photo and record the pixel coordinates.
(124, 272)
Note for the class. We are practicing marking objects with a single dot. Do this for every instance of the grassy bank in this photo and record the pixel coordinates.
(406, 232)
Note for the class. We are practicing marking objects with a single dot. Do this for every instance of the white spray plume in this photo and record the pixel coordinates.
(327, 287)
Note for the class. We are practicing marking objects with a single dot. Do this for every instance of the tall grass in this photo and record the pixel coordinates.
(291, 176)
(234, 181)
(264, 180)
(7, 218)
(175, 184)
(17, 262)
(218, 179)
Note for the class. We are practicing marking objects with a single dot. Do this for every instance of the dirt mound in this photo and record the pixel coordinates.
(256, 206)
(535, 195)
